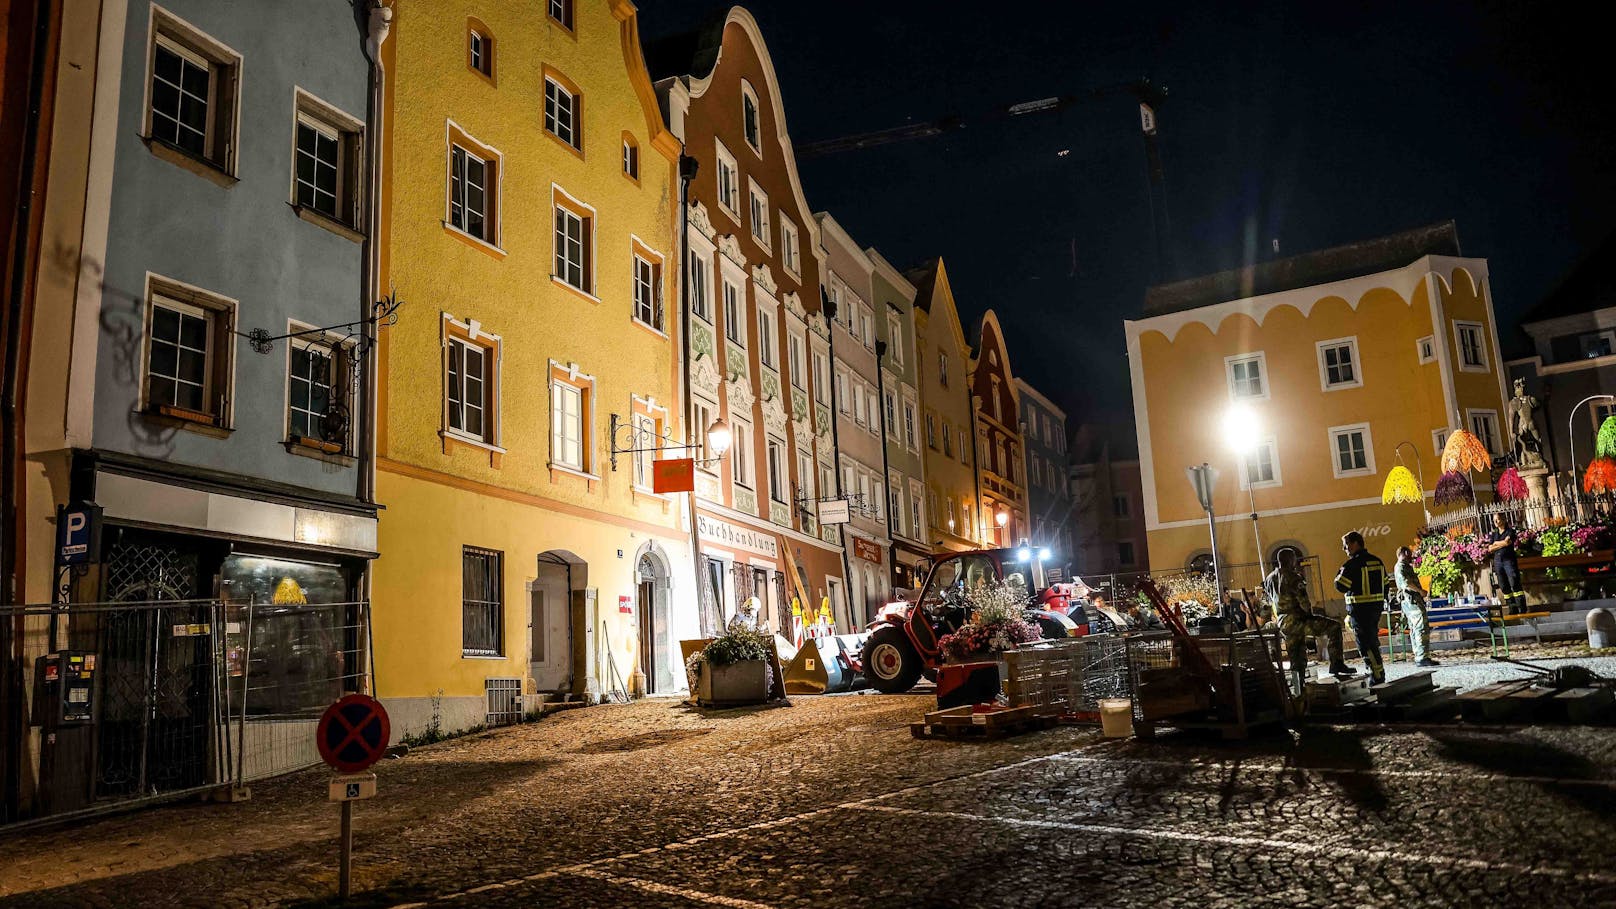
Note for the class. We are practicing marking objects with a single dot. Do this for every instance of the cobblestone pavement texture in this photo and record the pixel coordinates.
(831, 802)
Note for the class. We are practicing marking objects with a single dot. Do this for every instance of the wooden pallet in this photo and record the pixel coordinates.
(979, 721)
(1229, 729)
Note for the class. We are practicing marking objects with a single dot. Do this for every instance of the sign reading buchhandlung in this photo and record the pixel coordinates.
(673, 475)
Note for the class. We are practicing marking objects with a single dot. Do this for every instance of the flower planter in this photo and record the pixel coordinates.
(733, 685)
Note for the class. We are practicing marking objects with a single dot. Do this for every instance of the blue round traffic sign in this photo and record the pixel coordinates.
(353, 733)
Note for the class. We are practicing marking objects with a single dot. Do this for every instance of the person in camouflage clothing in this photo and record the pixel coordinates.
(1286, 589)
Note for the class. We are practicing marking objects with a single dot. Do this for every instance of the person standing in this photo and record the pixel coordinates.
(1362, 580)
(1286, 591)
(1506, 568)
(1412, 597)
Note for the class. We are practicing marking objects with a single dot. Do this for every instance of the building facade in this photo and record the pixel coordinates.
(1049, 500)
(999, 445)
(199, 372)
(908, 518)
(860, 418)
(759, 347)
(1107, 518)
(943, 370)
(530, 216)
(1336, 366)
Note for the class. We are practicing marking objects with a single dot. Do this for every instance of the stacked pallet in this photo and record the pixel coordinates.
(1529, 701)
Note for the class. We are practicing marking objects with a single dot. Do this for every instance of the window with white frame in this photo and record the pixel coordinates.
(1352, 450)
(775, 452)
(1248, 376)
(631, 157)
(314, 383)
(751, 129)
(1338, 364)
(188, 356)
(931, 431)
(561, 12)
(895, 506)
(894, 338)
(701, 286)
(480, 51)
(877, 496)
(703, 417)
(1439, 439)
(1472, 346)
(844, 401)
(890, 403)
(1484, 424)
(859, 415)
(471, 178)
(1425, 348)
(1260, 466)
(917, 517)
(993, 397)
(741, 459)
(805, 475)
(567, 425)
(1001, 458)
(948, 439)
(647, 440)
(325, 161)
(734, 320)
(790, 250)
(647, 287)
(759, 214)
(821, 377)
(482, 607)
(563, 110)
(873, 405)
(194, 93)
(796, 346)
(765, 343)
(727, 180)
(574, 243)
(470, 379)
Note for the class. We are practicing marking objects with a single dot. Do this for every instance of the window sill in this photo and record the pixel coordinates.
(637, 494)
(451, 438)
(475, 242)
(645, 326)
(577, 290)
(329, 452)
(186, 161)
(565, 144)
(480, 656)
(321, 219)
(1475, 369)
(557, 471)
(189, 420)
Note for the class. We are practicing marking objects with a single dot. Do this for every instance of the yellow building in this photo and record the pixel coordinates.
(529, 213)
(1323, 364)
(952, 488)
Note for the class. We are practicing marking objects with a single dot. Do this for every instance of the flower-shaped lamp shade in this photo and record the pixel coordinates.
(1401, 487)
(1452, 489)
(1464, 452)
(1510, 487)
(1601, 476)
(1605, 442)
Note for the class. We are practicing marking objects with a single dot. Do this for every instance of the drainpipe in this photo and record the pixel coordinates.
(378, 21)
(976, 467)
(687, 172)
(828, 307)
(886, 474)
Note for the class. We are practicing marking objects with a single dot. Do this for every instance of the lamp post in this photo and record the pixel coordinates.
(1240, 430)
(1001, 519)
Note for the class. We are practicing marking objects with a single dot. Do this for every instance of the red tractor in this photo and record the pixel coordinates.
(902, 641)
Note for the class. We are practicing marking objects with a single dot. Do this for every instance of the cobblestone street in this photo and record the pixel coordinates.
(830, 802)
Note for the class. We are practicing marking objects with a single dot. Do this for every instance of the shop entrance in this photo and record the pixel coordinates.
(556, 604)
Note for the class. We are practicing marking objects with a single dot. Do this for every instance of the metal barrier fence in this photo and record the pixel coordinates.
(137, 701)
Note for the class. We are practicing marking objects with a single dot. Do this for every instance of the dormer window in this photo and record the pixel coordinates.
(749, 118)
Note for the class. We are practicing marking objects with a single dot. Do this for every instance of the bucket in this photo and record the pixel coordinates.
(1116, 717)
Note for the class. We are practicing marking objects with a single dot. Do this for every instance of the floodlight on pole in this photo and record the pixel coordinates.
(1240, 428)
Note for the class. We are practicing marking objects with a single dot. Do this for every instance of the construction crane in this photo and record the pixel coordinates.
(1150, 97)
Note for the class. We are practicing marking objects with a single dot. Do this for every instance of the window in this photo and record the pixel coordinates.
(188, 356)
(741, 460)
(916, 525)
(574, 243)
(777, 470)
(948, 440)
(805, 475)
(993, 396)
(1247, 376)
(1352, 450)
(701, 283)
(749, 117)
(760, 214)
(734, 321)
(1125, 552)
(703, 417)
(561, 12)
(1261, 465)
(859, 416)
(563, 110)
(728, 182)
(1120, 506)
(566, 425)
(1597, 344)
(895, 506)
(647, 290)
(766, 337)
(1484, 423)
(325, 157)
(480, 49)
(877, 496)
(468, 386)
(931, 431)
(471, 209)
(631, 158)
(1426, 348)
(194, 94)
(894, 338)
(1338, 364)
(1001, 460)
(890, 403)
(795, 346)
(482, 602)
(315, 381)
(790, 253)
(1472, 349)
(942, 368)
(843, 396)
(821, 377)
(1439, 439)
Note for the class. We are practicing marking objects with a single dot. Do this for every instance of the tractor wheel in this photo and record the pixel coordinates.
(890, 661)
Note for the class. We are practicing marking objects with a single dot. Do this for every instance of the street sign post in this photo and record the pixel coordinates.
(351, 736)
(1204, 479)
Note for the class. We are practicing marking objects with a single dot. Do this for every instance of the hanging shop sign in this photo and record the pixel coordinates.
(833, 511)
(673, 475)
(866, 550)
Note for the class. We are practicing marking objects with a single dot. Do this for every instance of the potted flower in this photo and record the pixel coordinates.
(733, 669)
(998, 623)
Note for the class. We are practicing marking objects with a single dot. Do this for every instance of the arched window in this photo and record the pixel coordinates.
(480, 49)
(750, 123)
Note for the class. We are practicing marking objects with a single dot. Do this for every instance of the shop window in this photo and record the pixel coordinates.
(291, 651)
(482, 602)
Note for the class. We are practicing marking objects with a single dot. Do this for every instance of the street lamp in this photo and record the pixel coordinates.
(1240, 429)
(1002, 518)
(719, 438)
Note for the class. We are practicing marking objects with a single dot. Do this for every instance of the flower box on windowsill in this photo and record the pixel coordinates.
(183, 418)
(317, 444)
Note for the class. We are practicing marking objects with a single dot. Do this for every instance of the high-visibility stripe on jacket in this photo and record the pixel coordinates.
(1362, 579)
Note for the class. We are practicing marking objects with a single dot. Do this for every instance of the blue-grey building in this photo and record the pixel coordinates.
(1049, 499)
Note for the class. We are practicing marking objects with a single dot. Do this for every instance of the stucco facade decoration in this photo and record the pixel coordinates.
(759, 346)
(999, 446)
(1049, 501)
(1329, 377)
(529, 216)
(893, 297)
(861, 421)
(943, 370)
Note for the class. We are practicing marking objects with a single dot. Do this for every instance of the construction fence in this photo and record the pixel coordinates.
(127, 702)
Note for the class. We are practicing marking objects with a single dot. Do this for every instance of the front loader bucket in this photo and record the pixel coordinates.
(825, 665)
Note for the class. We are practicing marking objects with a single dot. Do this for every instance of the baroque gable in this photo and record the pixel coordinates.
(731, 248)
(700, 220)
(794, 305)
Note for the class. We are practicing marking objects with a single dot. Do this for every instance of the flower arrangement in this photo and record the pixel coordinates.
(741, 641)
(1510, 487)
(997, 622)
(1600, 477)
(1605, 440)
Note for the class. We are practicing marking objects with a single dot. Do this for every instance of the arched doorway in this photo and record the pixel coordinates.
(556, 600)
(652, 578)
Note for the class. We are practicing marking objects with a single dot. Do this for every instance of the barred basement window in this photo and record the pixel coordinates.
(482, 602)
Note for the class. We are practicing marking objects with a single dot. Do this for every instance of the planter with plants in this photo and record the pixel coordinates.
(997, 623)
(733, 670)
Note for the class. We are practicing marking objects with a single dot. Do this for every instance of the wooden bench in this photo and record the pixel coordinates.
(1440, 614)
(1591, 569)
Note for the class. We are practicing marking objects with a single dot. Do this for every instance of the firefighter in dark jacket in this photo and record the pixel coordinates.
(1506, 568)
(1362, 580)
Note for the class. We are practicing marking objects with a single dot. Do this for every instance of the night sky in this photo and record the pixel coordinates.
(1312, 124)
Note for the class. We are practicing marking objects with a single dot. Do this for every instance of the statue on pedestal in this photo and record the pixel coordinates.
(1528, 445)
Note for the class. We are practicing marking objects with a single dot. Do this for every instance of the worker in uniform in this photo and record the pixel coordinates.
(1362, 580)
(1506, 570)
(1412, 598)
(1286, 590)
